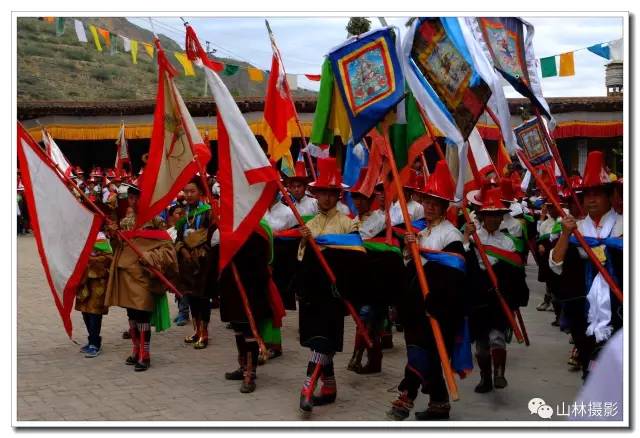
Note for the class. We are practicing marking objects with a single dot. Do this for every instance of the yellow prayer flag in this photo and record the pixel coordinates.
(566, 64)
(149, 48)
(96, 40)
(186, 64)
(339, 120)
(50, 20)
(134, 51)
(255, 74)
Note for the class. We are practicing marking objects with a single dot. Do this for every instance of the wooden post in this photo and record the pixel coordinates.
(601, 269)
(424, 287)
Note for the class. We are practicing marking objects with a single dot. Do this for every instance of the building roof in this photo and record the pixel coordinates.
(206, 107)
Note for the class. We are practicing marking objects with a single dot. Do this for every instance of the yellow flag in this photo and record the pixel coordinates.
(149, 48)
(566, 64)
(339, 120)
(134, 51)
(50, 20)
(96, 40)
(255, 74)
(186, 64)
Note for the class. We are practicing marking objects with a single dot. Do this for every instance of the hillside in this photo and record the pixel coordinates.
(60, 68)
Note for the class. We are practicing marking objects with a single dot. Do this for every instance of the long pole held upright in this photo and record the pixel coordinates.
(594, 259)
(323, 262)
(276, 52)
(422, 279)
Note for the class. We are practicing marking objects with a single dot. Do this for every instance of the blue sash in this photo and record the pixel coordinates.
(590, 271)
(449, 259)
(351, 241)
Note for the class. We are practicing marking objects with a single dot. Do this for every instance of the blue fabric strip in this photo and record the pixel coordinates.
(447, 259)
(352, 239)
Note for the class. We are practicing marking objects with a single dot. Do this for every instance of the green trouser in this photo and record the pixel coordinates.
(270, 335)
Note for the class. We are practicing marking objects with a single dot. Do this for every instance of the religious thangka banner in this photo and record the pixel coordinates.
(532, 140)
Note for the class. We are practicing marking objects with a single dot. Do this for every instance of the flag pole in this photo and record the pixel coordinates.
(422, 279)
(594, 259)
(492, 276)
(276, 51)
(103, 216)
(327, 269)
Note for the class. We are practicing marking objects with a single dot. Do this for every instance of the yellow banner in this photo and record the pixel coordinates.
(186, 64)
(255, 74)
(96, 40)
(134, 51)
(566, 64)
(149, 48)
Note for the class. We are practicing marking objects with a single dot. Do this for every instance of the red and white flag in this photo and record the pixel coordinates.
(176, 144)
(122, 153)
(64, 229)
(56, 154)
(247, 179)
(279, 109)
(470, 174)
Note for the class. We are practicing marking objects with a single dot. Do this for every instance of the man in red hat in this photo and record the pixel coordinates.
(442, 255)
(321, 312)
(581, 286)
(489, 326)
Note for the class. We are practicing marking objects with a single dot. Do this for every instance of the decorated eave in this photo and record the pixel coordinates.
(575, 116)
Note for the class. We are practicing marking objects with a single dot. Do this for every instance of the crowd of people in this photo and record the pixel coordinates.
(368, 252)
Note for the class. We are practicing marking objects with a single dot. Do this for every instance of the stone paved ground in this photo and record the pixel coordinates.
(55, 382)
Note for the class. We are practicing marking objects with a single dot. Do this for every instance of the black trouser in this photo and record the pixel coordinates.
(245, 343)
(200, 308)
(93, 323)
(576, 314)
(139, 315)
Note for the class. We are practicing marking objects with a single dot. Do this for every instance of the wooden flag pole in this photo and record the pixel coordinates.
(422, 279)
(327, 269)
(594, 259)
(492, 276)
(276, 51)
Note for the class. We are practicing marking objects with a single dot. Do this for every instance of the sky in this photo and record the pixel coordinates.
(303, 41)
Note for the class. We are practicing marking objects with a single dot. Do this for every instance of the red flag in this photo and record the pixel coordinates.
(175, 145)
(278, 111)
(64, 229)
(503, 160)
(122, 154)
(56, 155)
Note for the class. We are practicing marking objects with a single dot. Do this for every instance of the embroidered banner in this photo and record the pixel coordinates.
(532, 140)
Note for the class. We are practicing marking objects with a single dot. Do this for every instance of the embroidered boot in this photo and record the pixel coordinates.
(144, 359)
(249, 378)
(135, 342)
(400, 407)
(484, 363)
(499, 356)
(306, 395)
(203, 337)
(374, 358)
(328, 390)
(196, 329)
(435, 411)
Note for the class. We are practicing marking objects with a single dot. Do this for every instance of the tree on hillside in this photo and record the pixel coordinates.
(358, 25)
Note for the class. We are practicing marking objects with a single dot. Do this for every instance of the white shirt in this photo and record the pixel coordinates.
(497, 239)
(343, 208)
(280, 217)
(512, 225)
(617, 230)
(436, 238)
(546, 226)
(416, 211)
(374, 222)
(307, 206)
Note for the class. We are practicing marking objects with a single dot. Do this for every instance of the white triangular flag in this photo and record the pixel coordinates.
(126, 43)
(80, 33)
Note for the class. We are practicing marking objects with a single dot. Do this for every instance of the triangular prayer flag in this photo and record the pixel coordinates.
(278, 111)
(286, 164)
(80, 32)
(59, 26)
(315, 78)
(105, 36)
(50, 20)
(149, 48)
(134, 51)
(56, 155)
(230, 69)
(320, 132)
(96, 40)
(255, 74)
(600, 50)
(566, 64)
(186, 64)
(548, 67)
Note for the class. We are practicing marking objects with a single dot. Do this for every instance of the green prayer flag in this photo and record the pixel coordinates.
(230, 69)
(548, 67)
(59, 26)
(403, 135)
(320, 132)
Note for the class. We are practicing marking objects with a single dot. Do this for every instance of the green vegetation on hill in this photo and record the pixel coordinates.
(62, 68)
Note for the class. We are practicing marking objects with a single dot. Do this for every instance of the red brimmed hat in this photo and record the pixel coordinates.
(329, 176)
(506, 190)
(300, 173)
(356, 187)
(96, 172)
(78, 171)
(439, 185)
(488, 199)
(595, 174)
(415, 182)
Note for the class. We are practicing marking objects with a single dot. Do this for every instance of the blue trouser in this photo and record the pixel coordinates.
(183, 306)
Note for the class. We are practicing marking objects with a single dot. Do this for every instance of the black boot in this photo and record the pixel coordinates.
(306, 395)
(435, 411)
(484, 363)
(249, 378)
(499, 356)
(238, 374)
(400, 407)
